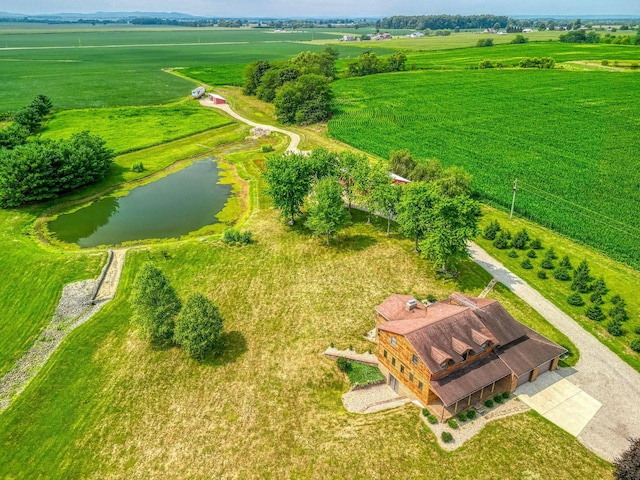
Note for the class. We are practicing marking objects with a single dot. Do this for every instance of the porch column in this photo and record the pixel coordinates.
(455, 410)
(493, 385)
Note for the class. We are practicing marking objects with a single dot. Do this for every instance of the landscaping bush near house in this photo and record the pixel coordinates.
(488, 403)
(627, 465)
(471, 414)
(542, 274)
(595, 313)
(635, 345)
(432, 419)
(446, 437)
(232, 236)
(343, 364)
(575, 299)
(526, 264)
(452, 423)
(425, 412)
(505, 395)
(498, 399)
(462, 417)
(431, 298)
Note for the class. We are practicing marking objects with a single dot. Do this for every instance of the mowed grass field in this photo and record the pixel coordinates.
(567, 136)
(269, 406)
(131, 128)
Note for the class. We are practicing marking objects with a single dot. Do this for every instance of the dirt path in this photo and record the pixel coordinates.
(599, 372)
(78, 303)
(295, 138)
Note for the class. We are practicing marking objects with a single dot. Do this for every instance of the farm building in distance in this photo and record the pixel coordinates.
(348, 38)
(217, 99)
(453, 354)
(197, 92)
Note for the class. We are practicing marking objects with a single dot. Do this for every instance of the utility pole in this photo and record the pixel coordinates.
(513, 202)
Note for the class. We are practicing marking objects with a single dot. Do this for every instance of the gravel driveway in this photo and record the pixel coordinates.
(599, 372)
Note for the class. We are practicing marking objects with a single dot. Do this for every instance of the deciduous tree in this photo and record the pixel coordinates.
(327, 214)
(415, 210)
(288, 182)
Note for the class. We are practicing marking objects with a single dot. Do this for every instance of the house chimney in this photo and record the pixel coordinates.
(411, 304)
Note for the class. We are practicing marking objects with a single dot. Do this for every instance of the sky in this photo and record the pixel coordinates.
(330, 8)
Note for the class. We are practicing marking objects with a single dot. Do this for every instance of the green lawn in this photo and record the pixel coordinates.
(576, 166)
(620, 279)
(132, 128)
(137, 410)
(361, 374)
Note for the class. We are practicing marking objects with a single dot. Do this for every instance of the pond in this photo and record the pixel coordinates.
(175, 205)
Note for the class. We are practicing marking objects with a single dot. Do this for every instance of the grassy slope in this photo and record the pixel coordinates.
(508, 124)
(620, 279)
(138, 411)
(131, 128)
(32, 280)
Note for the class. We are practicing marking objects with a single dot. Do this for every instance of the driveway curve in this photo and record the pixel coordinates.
(599, 372)
(295, 138)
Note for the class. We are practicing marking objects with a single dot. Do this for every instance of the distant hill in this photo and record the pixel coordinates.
(102, 16)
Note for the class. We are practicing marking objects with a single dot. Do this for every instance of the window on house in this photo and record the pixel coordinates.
(443, 365)
(484, 347)
(414, 359)
(393, 341)
(411, 377)
(465, 355)
(419, 385)
(384, 354)
(393, 361)
(401, 368)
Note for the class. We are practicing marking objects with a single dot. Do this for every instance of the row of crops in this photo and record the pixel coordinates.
(570, 138)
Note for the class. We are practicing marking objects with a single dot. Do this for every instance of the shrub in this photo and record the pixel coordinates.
(542, 274)
(562, 274)
(604, 63)
(431, 298)
(627, 465)
(635, 345)
(637, 330)
(526, 264)
(619, 311)
(596, 298)
(488, 403)
(462, 417)
(137, 167)
(425, 412)
(536, 244)
(595, 313)
(232, 236)
(575, 299)
(452, 423)
(471, 414)
(537, 63)
(502, 240)
(485, 42)
(432, 419)
(547, 263)
(532, 254)
(344, 365)
(551, 254)
(520, 239)
(485, 64)
(513, 254)
(491, 230)
(446, 437)
(519, 39)
(505, 395)
(565, 262)
(616, 299)
(267, 148)
(615, 328)
(498, 399)
(599, 286)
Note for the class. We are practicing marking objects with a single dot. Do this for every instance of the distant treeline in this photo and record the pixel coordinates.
(439, 22)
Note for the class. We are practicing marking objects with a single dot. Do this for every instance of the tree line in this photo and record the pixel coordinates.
(435, 210)
(440, 22)
(40, 169)
(300, 87)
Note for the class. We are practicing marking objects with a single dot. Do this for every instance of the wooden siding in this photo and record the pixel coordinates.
(403, 352)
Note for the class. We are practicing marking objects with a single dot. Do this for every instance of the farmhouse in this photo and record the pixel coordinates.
(452, 354)
(217, 99)
(348, 38)
(197, 92)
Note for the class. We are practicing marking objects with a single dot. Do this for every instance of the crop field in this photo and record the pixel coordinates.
(568, 137)
(123, 75)
(141, 411)
(131, 128)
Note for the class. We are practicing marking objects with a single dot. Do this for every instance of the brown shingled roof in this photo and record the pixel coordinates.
(395, 308)
(469, 379)
(529, 352)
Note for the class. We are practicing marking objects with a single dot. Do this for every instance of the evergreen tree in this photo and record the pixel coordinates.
(581, 278)
(565, 262)
(155, 304)
(198, 327)
(491, 230)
